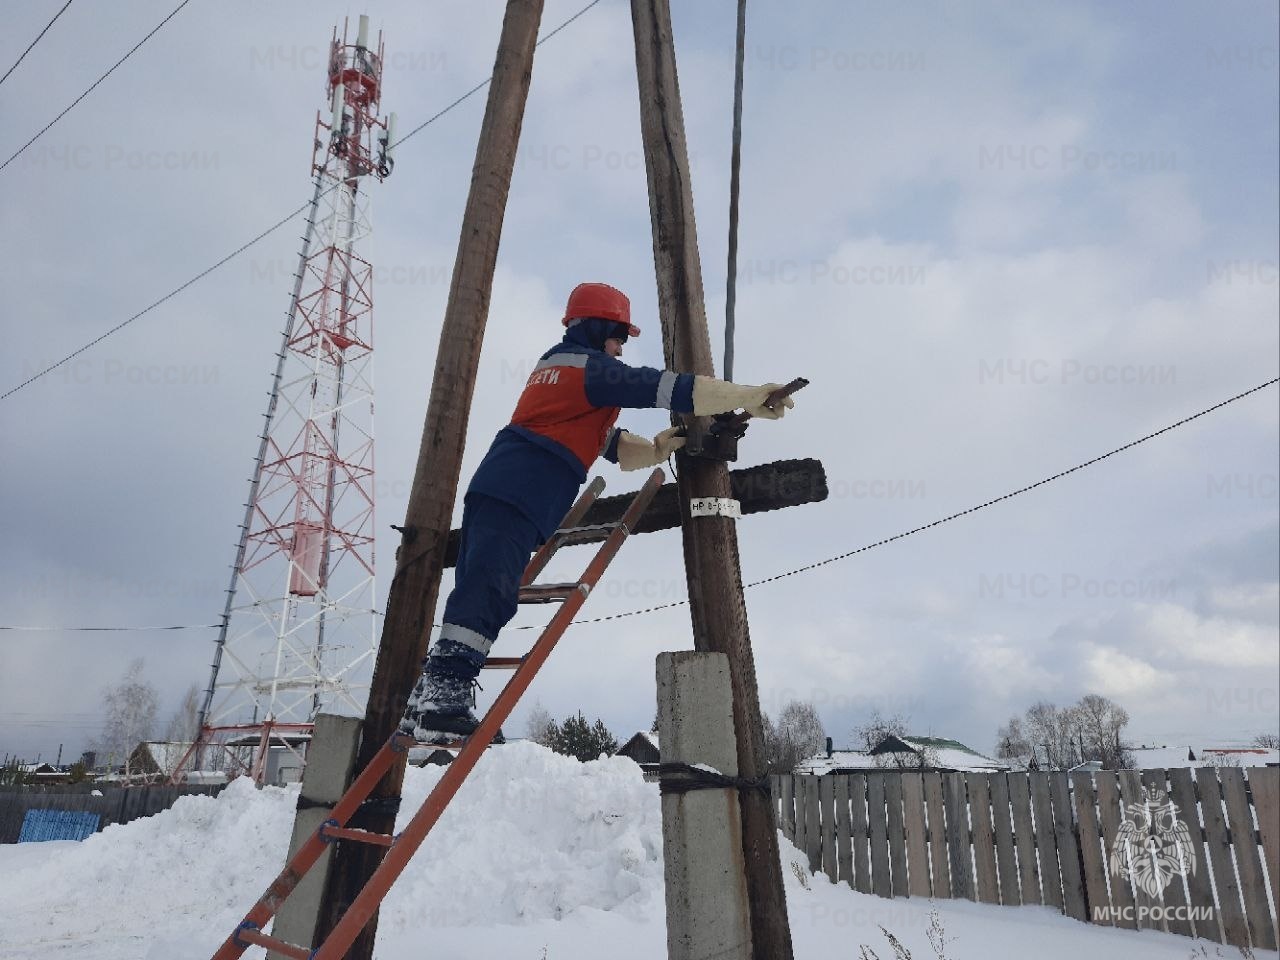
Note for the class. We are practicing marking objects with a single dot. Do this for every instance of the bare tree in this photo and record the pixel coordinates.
(540, 724)
(128, 714)
(1058, 738)
(183, 726)
(872, 733)
(798, 734)
(878, 728)
(1100, 721)
(1011, 741)
(1267, 741)
(1051, 731)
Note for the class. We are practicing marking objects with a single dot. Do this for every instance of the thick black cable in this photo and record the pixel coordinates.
(274, 227)
(35, 41)
(69, 106)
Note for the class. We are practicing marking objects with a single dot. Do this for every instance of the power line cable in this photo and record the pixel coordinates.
(954, 516)
(145, 310)
(95, 83)
(821, 563)
(271, 229)
(35, 41)
(189, 626)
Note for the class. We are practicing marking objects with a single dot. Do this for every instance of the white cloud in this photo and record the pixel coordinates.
(933, 233)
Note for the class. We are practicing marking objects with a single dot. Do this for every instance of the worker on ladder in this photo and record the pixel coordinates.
(524, 486)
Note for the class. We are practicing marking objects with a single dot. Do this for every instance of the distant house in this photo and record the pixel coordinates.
(157, 759)
(935, 753)
(43, 773)
(902, 753)
(837, 761)
(1164, 757)
(643, 749)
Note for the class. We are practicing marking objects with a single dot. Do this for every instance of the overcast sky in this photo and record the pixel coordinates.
(999, 240)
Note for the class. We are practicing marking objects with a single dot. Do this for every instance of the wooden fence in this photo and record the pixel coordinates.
(1052, 839)
(116, 805)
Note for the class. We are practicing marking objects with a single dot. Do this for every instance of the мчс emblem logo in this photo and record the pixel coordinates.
(1152, 845)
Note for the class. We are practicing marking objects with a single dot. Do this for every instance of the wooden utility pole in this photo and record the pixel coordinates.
(415, 588)
(712, 569)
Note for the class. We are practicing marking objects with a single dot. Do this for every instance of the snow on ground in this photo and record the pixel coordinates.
(539, 858)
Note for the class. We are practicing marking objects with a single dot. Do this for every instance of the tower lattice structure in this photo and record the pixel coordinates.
(299, 629)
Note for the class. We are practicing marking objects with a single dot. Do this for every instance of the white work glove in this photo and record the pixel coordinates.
(711, 396)
(636, 453)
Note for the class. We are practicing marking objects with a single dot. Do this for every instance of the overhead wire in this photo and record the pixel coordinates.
(35, 41)
(821, 563)
(93, 86)
(735, 164)
(960, 513)
(187, 626)
(274, 227)
(147, 309)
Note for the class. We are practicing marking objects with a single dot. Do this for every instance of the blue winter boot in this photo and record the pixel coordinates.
(440, 707)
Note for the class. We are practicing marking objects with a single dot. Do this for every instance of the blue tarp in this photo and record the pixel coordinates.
(57, 825)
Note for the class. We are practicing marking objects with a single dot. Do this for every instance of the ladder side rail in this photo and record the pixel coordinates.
(302, 861)
(571, 519)
(410, 839)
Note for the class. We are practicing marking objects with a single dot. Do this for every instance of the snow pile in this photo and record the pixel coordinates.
(539, 858)
(204, 860)
(533, 835)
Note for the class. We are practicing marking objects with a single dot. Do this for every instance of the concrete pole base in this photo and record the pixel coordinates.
(708, 915)
(330, 760)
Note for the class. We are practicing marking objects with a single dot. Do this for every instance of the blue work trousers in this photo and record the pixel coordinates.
(497, 539)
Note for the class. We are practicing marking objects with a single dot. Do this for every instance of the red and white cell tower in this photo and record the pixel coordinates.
(299, 630)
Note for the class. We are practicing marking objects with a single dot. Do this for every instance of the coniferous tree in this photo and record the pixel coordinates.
(577, 738)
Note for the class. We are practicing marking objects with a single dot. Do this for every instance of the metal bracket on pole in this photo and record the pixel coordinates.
(715, 507)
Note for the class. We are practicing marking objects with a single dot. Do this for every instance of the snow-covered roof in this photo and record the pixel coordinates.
(1166, 757)
(944, 754)
(839, 760)
(644, 740)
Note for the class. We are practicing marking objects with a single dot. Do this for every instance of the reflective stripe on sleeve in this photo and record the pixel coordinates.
(666, 385)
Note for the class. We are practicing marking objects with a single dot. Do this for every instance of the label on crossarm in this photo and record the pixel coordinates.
(715, 507)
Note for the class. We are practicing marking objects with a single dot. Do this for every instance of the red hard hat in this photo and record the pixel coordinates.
(600, 300)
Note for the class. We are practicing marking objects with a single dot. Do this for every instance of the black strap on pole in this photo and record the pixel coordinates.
(735, 163)
(677, 778)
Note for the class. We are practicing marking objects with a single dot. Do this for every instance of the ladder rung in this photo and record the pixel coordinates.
(586, 534)
(258, 938)
(551, 592)
(503, 663)
(362, 836)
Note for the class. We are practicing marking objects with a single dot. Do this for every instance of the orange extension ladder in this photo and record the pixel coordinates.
(401, 847)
